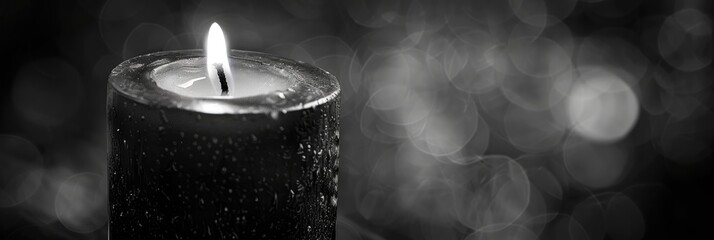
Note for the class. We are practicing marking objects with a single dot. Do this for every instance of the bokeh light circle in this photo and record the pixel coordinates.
(449, 127)
(590, 214)
(532, 131)
(81, 202)
(21, 172)
(601, 107)
(595, 165)
(491, 194)
(685, 40)
(624, 219)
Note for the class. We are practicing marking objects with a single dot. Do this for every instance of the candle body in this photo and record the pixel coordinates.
(177, 174)
(259, 167)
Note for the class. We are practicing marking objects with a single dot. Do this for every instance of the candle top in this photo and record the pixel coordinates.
(190, 78)
(262, 83)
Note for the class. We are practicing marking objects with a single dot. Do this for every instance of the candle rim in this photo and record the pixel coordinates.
(131, 79)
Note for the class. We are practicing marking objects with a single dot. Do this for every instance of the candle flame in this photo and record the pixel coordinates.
(217, 67)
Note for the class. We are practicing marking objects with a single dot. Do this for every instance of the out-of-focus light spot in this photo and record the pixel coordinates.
(509, 203)
(607, 49)
(651, 96)
(533, 12)
(465, 62)
(455, 57)
(416, 107)
(624, 219)
(560, 8)
(415, 165)
(537, 206)
(81, 202)
(539, 57)
(42, 204)
(590, 213)
(469, 80)
(490, 194)
(411, 40)
(443, 135)
(546, 182)
(21, 172)
(601, 107)
(536, 94)
(472, 43)
(374, 13)
(685, 83)
(594, 165)
(532, 131)
(537, 224)
(429, 199)
(681, 106)
(449, 127)
(685, 40)
(376, 129)
(498, 11)
(437, 46)
(528, 31)
(145, 38)
(497, 57)
(389, 96)
(47, 92)
(494, 106)
(384, 170)
(475, 148)
(402, 69)
(425, 17)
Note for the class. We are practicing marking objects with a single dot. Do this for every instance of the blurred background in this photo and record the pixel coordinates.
(484, 119)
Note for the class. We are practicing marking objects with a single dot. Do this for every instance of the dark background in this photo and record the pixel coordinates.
(447, 105)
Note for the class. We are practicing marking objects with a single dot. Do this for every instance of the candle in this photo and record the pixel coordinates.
(232, 145)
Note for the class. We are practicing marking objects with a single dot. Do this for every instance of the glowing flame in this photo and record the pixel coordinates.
(217, 67)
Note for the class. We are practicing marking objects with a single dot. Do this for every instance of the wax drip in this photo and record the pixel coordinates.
(221, 78)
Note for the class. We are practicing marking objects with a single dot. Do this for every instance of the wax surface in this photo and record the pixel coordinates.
(187, 77)
(263, 166)
(205, 176)
(266, 83)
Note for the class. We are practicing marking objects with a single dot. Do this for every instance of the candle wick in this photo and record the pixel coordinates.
(221, 78)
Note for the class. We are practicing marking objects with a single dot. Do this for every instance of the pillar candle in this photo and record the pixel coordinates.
(188, 160)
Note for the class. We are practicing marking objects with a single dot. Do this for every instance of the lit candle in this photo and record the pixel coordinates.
(230, 145)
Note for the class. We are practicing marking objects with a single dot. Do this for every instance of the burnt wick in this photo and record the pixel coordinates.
(222, 78)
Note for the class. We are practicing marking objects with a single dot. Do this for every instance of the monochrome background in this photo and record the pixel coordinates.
(483, 119)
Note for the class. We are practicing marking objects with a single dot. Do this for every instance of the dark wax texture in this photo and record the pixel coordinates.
(179, 174)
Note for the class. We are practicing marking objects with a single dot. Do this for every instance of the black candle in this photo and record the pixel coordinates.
(258, 162)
